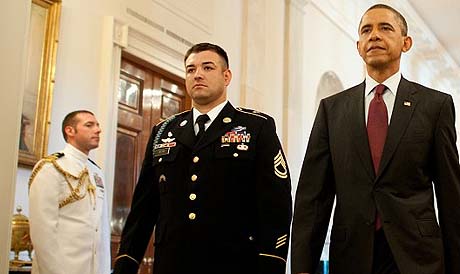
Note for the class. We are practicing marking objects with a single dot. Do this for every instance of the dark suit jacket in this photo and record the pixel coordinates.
(238, 218)
(420, 149)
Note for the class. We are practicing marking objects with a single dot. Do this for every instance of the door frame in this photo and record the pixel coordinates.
(153, 49)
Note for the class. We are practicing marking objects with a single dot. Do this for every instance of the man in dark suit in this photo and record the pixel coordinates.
(378, 149)
(217, 190)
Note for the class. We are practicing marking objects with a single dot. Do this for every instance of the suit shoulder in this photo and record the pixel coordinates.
(429, 90)
(345, 93)
(253, 113)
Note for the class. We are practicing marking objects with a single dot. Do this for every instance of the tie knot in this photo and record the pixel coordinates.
(379, 89)
(202, 119)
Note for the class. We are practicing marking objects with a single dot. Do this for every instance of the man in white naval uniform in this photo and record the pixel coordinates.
(69, 222)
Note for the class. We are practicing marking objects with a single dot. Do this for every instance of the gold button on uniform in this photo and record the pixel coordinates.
(192, 216)
(159, 160)
(196, 159)
(192, 196)
(235, 154)
(194, 177)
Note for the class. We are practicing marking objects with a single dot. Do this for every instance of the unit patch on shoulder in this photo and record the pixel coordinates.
(280, 167)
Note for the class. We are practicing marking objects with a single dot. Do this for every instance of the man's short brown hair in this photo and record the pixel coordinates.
(211, 47)
(71, 120)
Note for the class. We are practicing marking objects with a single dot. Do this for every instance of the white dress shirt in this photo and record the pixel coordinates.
(212, 116)
(389, 96)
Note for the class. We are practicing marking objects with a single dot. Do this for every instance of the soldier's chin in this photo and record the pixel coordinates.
(201, 99)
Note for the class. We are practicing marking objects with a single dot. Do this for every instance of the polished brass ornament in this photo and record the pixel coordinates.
(20, 238)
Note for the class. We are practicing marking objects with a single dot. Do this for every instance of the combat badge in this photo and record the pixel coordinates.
(163, 148)
(280, 167)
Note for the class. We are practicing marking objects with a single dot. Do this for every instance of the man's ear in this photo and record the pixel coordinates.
(357, 47)
(227, 76)
(69, 131)
(407, 44)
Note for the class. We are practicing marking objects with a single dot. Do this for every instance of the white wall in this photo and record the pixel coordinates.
(12, 75)
(83, 70)
(278, 50)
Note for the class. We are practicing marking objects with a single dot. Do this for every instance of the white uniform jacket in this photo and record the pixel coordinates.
(72, 236)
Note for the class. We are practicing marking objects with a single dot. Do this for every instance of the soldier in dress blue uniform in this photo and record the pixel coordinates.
(214, 184)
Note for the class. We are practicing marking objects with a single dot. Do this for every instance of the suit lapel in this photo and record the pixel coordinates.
(358, 127)
(185, 132)
(402, 113)
(219, 126)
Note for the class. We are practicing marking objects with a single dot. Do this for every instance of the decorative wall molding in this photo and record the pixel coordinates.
(159, 27)
(186, 9)
(298, 4)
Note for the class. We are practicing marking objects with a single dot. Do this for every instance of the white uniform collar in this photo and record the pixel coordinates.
(73, 152)
(212, 113)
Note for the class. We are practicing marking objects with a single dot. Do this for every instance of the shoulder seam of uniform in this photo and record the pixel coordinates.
(172, 116)
(252, 113)
(48, 159)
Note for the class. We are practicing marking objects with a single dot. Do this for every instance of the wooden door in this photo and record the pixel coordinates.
(146, 95)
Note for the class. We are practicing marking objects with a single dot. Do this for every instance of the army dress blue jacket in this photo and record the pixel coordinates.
(221, 204)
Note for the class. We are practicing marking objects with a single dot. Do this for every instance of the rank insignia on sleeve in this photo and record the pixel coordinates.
(280, 167)
(281, 241)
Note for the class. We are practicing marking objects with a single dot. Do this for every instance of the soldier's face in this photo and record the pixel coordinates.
(206, 79)
(85, 134)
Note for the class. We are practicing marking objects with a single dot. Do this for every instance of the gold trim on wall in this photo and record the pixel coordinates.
(40, 71)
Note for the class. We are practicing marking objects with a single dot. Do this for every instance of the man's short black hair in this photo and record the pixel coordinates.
(208, 46)
(402, 20)
(71, 120)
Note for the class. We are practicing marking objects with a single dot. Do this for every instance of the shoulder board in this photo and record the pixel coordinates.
(94, 163)
(170, 118)
(253, 112)
(55, 156)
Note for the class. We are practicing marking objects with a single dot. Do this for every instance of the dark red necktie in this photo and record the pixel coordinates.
(377, 127)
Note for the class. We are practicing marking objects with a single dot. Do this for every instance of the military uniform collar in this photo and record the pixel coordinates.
(212, 113)
(73, 152)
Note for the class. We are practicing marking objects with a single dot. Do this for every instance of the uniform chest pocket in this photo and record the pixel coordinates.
(242, 151)
(164, 155)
